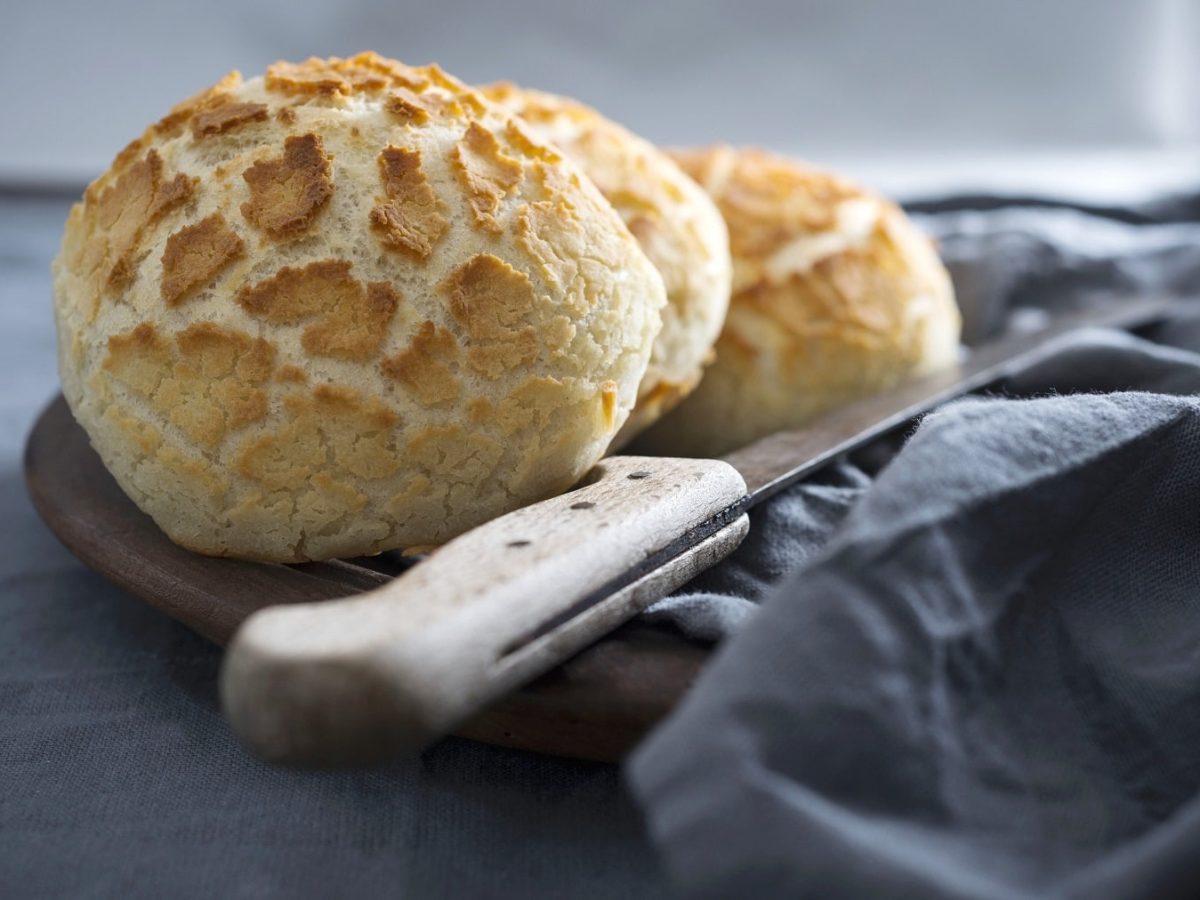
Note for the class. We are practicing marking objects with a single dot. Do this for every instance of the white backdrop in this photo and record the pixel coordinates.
(863, 84)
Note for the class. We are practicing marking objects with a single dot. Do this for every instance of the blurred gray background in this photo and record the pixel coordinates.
(911, 93)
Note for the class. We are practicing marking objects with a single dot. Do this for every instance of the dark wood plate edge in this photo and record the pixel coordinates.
(595, 707)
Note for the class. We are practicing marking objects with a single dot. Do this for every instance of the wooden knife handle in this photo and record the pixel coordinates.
(391, 670)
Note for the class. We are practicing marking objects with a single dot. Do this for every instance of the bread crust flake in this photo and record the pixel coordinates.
(196, 254)
(486, 172)
(347, 319)
(409, 220)
(287, 192)
(226, 116)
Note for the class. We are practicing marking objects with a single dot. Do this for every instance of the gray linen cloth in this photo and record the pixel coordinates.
(983, 678)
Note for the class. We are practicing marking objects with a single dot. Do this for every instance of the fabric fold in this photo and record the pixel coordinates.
(985, 685)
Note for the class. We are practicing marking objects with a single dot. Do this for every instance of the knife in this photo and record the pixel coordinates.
(391, 670)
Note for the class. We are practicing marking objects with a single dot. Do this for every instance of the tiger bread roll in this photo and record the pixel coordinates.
(836, 295)
(674, 220)
(346, 307)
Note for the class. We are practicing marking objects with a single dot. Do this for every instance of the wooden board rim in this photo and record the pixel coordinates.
(596, 706)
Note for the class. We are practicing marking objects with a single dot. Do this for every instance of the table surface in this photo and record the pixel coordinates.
(118, 775)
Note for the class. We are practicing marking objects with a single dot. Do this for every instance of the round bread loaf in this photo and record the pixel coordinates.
(347, 307)
(674, 220)
(836, 295)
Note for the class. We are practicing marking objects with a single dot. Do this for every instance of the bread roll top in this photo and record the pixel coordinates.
(347, 306)
(836, 295)
(678, 226)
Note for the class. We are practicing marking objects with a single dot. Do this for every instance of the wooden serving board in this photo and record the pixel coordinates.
(595, 706)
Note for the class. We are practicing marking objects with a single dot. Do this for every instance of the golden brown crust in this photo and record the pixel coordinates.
(426, 366)
(836, 296)
(226, 116)
(789, 228)
(486, 172)
(608, 403)
(128, 154)
(351, 318)
(365, 73)
(407, 107)
(467, 102)
(195, 255)
(523, 142)
(331, 430)
(207, 383)
(292, 374)
(492, 301)
(765, 199)
(288, 191)
(488, 297)
(324, 76)
(137, 357)
(123, 210)
(409, 220)
(174, 121)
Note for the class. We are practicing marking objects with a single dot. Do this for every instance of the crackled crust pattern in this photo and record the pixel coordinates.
(226, 116)
(486, 172)
(195, 254)
(348, 319)
(346, 307)
(836, 295)
(120, 213)
(207, 380)
(493, 302)
(287, 192)
(410, 218)
(426, 367)
(677, 225)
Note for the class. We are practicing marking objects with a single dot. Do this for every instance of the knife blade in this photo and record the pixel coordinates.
(775, 462)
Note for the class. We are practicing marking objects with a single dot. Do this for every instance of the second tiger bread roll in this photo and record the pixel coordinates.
(676, 223)
(347, 307)
(836, 295)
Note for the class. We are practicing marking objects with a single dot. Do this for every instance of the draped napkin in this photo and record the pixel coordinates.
(969, 667)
